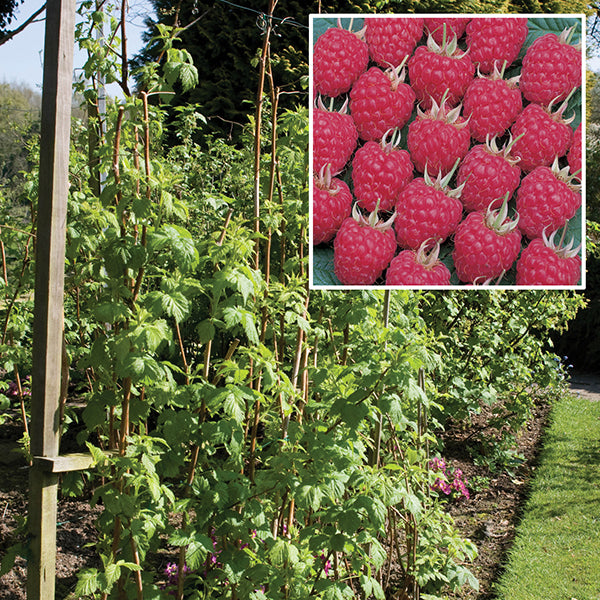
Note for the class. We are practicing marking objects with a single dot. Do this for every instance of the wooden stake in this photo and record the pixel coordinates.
(49, 290)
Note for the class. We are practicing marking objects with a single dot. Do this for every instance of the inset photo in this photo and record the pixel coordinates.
(447, 151)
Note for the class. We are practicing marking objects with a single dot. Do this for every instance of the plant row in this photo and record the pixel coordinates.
(254, 438)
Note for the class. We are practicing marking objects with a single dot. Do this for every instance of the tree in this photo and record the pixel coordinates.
(6, 35)
(19, 122)
(7, 13)
(224, 38)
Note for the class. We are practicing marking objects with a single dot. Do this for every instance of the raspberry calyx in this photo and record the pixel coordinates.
(497, 219)
(372, 220)
(561, 251)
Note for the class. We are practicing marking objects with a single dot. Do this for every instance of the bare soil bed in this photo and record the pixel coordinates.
(488, 517)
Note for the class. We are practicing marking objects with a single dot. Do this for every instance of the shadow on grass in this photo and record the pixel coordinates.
(581, 481)
(563, 488)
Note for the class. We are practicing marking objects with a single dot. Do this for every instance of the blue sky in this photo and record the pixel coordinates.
(21, 58)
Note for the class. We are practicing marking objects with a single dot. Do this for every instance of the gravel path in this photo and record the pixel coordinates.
(586, 386)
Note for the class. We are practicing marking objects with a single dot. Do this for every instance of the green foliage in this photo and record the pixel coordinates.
(272, 439)
(496, 355)
(19, 125)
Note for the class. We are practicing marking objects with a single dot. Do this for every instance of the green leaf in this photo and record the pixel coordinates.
(148, 464)
(412, 503)
(284, 554)
(97, 454)
(178, 242)
(188, 76)
(206, 331)
(371, 587)
(323, 274)
(349, 522)
(241, 282)
(179, 66)
(112, 572)
(539, 26)
(141, 368)
(174, 304)
(109, 312)
(234, 404)
(87, 583)
(198, 549)
(94, 414)
(236, 315)
(352, 414)
(129, 565)
(154, 486)
(150, 336)
(311, 496)
(8, 560)
(322, 24)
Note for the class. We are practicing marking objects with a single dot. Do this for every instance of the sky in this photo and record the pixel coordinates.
(21, 58)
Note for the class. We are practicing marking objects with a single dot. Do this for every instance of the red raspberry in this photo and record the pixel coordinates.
(488, 174)
(380, 101)
(437, 138)
(486, 245)
(494, 39)
(435, 71)
(427, 210)
(455, 26)
(551, 68)
(544, 263)
(546, 200)
(574, 156)
(546, 136)
(334, 138)
(492, 105)
(380, 171)
(391, 40)
(417, 268)
(339, 58)
(332, 203)
(363, 248)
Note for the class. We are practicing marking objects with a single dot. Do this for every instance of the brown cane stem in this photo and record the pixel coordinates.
(124, 64)
(257, 129)
(3, 253)
(225, 226)
(138, 574)
(182, 350)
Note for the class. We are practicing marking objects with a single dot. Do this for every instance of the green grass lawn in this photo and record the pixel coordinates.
(556, 555)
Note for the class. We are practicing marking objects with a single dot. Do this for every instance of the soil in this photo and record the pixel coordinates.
(488, 518)
(491, 514)
(75, 524)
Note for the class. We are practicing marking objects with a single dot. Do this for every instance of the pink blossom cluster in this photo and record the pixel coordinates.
(326, 563)
(172, 573)
(13, 389)
(448, 480)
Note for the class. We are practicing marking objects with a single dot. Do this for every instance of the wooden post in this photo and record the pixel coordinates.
(49, 289)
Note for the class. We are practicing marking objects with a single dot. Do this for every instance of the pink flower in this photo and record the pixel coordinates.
(441, 486)
(437, 464)
(326, 563)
